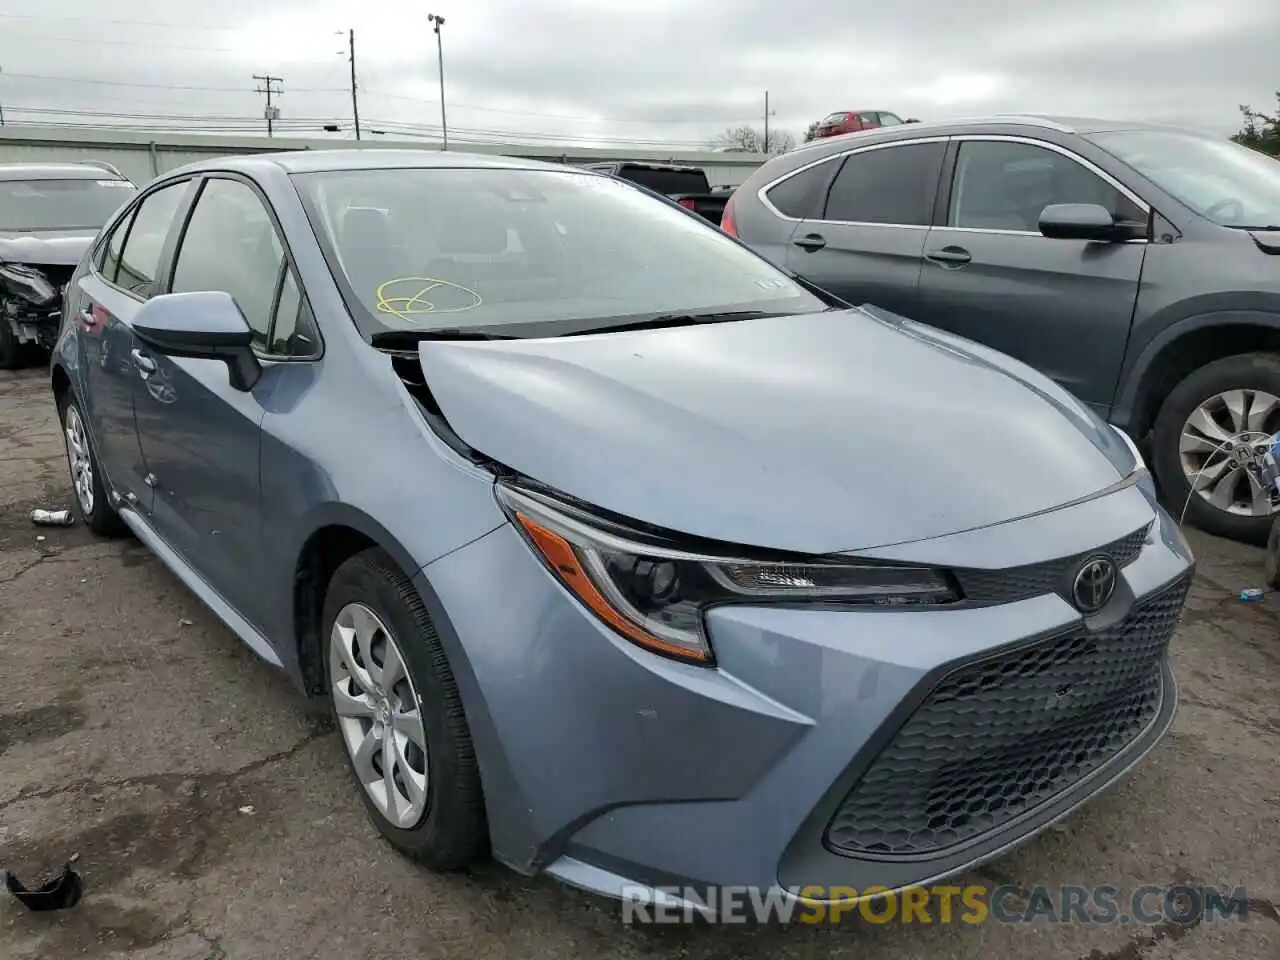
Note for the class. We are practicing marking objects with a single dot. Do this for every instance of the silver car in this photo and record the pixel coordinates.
(616, 552)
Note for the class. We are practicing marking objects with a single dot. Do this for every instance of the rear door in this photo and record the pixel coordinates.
(121, 278)
(866, 244)
(200, 436)
(1062, 306)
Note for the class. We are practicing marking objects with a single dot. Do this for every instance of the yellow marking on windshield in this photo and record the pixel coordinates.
(411, 299)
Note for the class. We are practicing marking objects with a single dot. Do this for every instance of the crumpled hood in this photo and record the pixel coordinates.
(50, 248)
(819, 433)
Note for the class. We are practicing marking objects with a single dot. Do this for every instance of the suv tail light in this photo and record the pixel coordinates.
(687, 203)
(726, 219)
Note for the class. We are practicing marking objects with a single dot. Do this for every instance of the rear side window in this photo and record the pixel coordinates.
(800, 196)
(892, 185)
(140, 258)
(110, 256)
(889, 119)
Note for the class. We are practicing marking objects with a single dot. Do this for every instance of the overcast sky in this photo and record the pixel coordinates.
(675, 71)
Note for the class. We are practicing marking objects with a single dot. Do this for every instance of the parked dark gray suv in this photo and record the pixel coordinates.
(1138, 266)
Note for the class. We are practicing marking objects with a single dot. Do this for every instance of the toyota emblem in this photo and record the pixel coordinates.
(1094, 584)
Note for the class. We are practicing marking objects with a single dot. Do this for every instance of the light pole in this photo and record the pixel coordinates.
(438, 22)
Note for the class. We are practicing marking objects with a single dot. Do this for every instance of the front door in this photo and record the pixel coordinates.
(106, 297)
(1061, 306)
(867, 244)
(200, 436)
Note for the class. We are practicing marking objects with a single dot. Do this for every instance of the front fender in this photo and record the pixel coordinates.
(1132, 384)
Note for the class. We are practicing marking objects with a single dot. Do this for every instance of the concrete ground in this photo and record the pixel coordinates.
(213, 818)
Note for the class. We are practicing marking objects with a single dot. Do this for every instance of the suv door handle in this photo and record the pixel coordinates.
(810, 242)
(146, 366)
(950, 256)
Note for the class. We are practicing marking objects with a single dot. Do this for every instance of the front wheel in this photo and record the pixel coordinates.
(1207, 442)
(400, 716)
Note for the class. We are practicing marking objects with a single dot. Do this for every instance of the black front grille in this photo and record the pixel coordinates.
(1051, 576)
(998, 737)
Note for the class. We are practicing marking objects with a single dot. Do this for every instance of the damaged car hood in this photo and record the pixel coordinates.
(819, 433)
(52, 248)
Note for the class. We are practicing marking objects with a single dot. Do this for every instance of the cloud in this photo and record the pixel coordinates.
(612, 70)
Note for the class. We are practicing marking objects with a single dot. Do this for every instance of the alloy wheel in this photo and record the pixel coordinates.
(79, 461)
(379, 715)
(1221, 447)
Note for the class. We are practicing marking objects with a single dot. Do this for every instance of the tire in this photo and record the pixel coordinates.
(1248, 372)
(451, 831)
(99, 516)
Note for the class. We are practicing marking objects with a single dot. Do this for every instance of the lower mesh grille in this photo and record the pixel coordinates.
(1001, 736)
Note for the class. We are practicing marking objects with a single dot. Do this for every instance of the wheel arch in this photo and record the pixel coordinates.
(59, 382)
(1186, 346)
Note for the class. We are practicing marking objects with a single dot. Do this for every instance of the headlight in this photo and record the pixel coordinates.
(655, 594)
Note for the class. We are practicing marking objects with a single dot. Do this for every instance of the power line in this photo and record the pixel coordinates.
(137, 23)
(161, 86)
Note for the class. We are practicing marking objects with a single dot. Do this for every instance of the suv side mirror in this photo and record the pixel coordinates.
(1085, 221)
(205, 325)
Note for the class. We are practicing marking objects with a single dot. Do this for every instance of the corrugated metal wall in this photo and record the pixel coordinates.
(142, 157)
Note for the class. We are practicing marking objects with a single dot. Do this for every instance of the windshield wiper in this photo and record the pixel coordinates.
(679, 320)
(409, 339)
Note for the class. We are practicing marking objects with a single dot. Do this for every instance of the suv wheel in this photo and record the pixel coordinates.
(1207, 445)
(400, 716)
(90, 495)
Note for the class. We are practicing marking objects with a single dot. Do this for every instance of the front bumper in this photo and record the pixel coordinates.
(605, 765)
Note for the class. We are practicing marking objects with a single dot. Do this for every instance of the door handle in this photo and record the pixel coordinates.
(949, 256)
(810, 242)
(146, 366)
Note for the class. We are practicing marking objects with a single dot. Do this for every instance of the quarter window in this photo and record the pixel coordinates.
(293, 331)
(140, 258)
(800, 196)
(892, 185)
(1001, 185)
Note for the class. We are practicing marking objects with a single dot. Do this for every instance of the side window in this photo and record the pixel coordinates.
(140, 258)
(109, 255)
(1000, 185)
(893, 185)
(800, 196)
(890, 120)
(868, 120)
(293, 331)
(231, 245)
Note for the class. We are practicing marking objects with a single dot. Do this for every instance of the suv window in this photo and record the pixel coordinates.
(1001, 185)
(140, 258)
(800, 196)
(889, 119)
(892, 185)
(231, 245)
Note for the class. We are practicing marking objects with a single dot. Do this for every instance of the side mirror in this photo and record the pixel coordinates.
(205, 325)
(1085, 221)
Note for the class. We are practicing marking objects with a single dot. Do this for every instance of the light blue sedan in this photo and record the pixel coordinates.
(619, 553)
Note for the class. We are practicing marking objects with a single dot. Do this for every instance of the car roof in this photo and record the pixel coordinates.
(326, 161)
(88, 170)
(1083, 126)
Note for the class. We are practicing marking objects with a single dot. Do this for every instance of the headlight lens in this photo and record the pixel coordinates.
(656, 595)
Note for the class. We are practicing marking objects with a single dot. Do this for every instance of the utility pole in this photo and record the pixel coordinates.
(444, 126)
(355, 101)
(766, 121)
(272, 112)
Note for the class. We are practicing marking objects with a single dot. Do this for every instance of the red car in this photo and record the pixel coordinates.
(851, 121)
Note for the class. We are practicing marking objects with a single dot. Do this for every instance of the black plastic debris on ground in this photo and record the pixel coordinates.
(60, 893)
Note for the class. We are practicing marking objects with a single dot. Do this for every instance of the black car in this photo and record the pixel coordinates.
(49, 214)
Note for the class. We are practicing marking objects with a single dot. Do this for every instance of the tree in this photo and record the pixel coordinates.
(1260, 131)
(812, 132)
(751, 140)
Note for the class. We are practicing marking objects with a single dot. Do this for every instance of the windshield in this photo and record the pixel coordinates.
(1221, 180)
(427, 248)
(60, 204)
